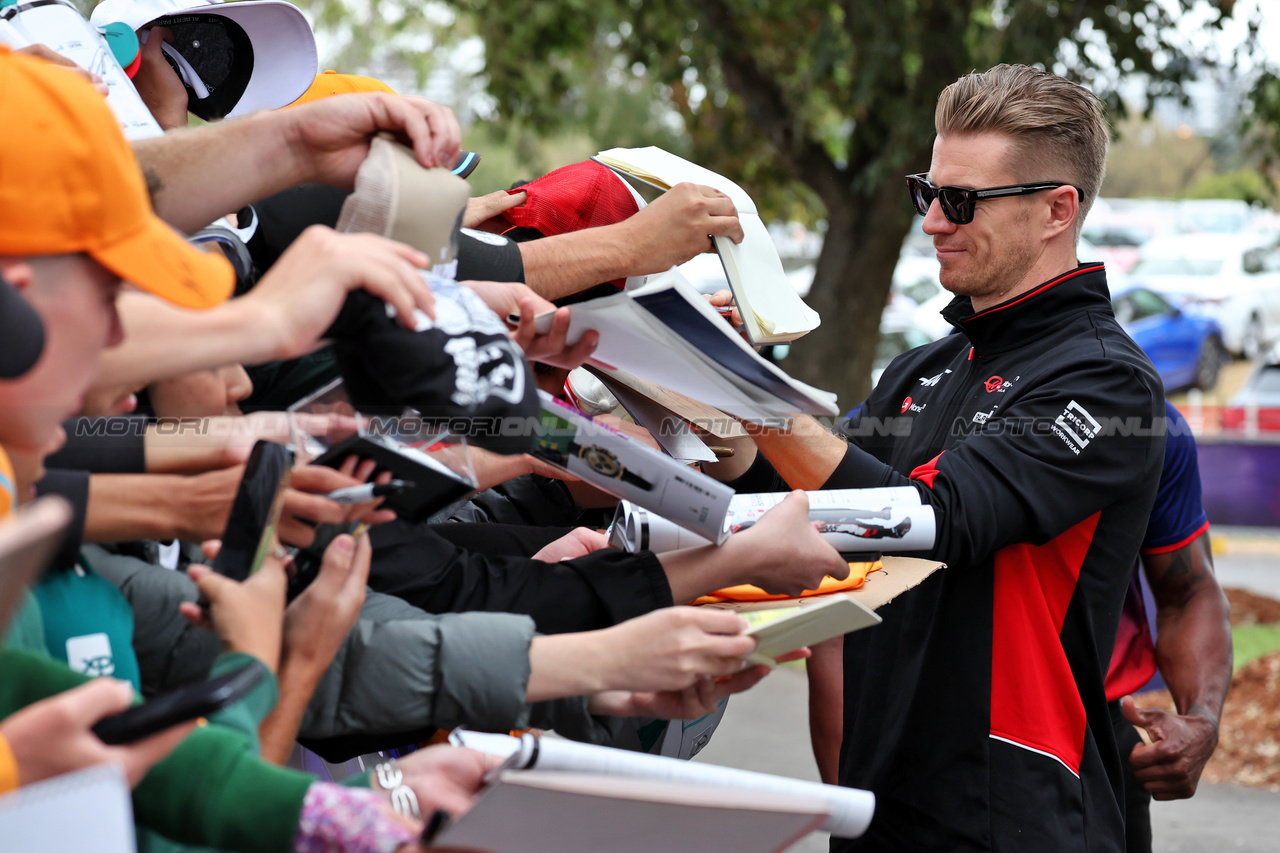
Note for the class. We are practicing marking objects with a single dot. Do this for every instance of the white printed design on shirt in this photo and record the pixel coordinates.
(91, 655)
(1076, 427)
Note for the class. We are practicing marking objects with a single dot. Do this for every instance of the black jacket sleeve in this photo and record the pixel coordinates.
(114, 445)
(74, 486)
(1078, 440)
(595, 591)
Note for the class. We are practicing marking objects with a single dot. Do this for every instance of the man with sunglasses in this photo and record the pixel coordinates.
(976, 712)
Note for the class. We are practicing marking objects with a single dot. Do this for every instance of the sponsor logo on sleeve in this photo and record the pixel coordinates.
(1076, 427)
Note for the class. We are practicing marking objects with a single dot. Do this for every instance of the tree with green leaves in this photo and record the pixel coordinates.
(819, 105)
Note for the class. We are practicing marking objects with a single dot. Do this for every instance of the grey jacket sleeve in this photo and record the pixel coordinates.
(402, 669)
(171, 651)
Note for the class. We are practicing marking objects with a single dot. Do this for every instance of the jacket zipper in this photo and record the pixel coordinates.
(955, 400)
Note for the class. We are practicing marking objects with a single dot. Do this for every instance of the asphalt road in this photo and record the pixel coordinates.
(767, 729)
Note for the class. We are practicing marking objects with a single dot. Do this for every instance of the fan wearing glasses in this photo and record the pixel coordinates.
(976, 712)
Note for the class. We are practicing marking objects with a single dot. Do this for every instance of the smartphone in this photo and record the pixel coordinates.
(256, 511)
(306, 563)
(465, 164)
(178, 706)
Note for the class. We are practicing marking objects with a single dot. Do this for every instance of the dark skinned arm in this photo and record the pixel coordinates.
(1193, 652)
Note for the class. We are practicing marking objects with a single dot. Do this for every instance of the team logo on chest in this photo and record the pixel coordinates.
(999, 383)
(930, 381)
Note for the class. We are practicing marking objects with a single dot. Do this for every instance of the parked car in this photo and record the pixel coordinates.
(1235, 277)
(1184, 345)
(1261, 394)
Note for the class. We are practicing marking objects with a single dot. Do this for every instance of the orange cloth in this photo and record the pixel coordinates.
(746, 592)
(69, 184)
(8, 767)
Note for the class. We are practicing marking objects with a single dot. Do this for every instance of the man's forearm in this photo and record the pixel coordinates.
(559, 266)
(1194, 654)
(191, 451)
(563, 665)
(279, 730)
(253, 154)
(1193, 628)
(805, 456)
(162, 341)
(692, 572)
(127, 507)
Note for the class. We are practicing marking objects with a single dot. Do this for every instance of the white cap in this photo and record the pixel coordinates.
(284, 48)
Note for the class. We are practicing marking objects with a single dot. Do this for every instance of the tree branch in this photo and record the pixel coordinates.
(802, 156)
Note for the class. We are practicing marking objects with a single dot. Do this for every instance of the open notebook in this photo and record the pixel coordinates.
(845, 812)
(771, 309)
(666, 332)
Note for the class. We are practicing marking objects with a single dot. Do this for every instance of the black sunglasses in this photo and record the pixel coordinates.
(958, 203)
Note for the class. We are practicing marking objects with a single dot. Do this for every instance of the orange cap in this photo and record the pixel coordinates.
(69, 183)
(333, 83)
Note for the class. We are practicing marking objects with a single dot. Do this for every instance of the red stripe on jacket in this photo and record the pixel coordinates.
(1034, 700)
(927, 472)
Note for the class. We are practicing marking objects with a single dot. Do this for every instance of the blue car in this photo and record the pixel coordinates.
(1185, 347)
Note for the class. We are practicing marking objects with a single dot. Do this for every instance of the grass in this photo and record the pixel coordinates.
(1253, 641)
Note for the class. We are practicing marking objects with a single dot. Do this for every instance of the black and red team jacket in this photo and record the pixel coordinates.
(976, 711)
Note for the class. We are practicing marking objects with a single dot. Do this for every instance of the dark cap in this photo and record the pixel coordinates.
(21, 333)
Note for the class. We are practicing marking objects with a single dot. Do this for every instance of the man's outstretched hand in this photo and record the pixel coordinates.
(679, 225)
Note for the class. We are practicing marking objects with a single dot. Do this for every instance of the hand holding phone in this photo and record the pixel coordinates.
(55, 736)
(178, 706)
(251, 526)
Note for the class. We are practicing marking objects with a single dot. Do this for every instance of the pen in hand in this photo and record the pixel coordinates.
(367, 492)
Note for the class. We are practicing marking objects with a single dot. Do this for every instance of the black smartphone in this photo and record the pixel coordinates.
(178, 706)
(306, 562)
(256, 511)
(465, 164)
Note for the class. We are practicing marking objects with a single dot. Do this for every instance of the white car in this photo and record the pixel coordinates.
(1234, 278)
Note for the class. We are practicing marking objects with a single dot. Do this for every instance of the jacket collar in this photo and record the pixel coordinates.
(1032, 314)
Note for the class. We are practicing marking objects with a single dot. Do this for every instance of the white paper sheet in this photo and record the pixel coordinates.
(65, 31)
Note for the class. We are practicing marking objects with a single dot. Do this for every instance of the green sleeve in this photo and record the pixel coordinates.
(358, 780)
(212, 791)
(27, 630)
(246, 715)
